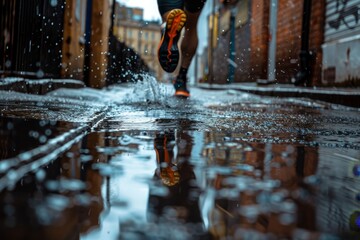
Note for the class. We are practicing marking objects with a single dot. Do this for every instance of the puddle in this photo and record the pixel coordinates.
(187, 184)
(220, 165)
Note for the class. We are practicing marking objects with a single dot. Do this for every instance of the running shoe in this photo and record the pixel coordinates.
(180, 88)
(168, 50)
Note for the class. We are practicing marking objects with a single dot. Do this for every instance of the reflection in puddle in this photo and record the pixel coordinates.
(187, 185)
(19, 135)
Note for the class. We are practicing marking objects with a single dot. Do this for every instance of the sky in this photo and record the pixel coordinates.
(151, 11)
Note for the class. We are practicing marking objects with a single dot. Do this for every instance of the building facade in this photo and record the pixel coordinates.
(255, 40)
(139, 35)
(31, 38)
(341, 47)
(55, 39)
(86, 33)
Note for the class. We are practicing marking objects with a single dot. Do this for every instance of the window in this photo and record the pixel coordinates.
(137, 17)
(153, 51)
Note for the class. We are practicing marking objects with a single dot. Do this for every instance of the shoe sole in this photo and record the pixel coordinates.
(182, 94)
(168, 51)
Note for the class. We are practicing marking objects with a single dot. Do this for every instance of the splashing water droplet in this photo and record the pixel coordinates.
(40, 74)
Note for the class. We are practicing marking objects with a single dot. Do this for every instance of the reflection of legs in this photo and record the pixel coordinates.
(177, 175)
(164, 147)
(164, 144)
(184, 145)
(169, 166)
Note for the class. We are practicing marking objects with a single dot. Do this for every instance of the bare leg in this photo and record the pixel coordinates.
(190, 41)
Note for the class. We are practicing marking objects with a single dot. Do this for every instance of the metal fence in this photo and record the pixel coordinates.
(31, 35)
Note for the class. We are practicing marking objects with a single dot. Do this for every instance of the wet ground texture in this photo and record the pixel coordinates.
(133, 162)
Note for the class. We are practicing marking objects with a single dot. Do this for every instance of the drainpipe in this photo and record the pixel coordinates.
(112, 24)
(303, 76)
(211, 44)
(272, 44)
(232, 49)
(111, 44)
(87, 42)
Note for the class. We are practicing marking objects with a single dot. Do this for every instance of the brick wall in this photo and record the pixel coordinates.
(289, 38)
(317, 28)
(254, 36)
(259, 39)
(288, 42)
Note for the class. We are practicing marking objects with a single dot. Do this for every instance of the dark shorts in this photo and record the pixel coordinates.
(190, 5)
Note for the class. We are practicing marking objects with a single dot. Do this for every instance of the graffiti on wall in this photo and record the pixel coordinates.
(344, 12)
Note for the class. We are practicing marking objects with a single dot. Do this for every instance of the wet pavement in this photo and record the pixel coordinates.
(220, 165)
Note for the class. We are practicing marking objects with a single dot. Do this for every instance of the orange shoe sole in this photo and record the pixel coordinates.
(182, 94)
(168, 51)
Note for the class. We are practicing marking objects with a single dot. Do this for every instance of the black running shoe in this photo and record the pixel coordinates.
(180, 88)
(168, 50)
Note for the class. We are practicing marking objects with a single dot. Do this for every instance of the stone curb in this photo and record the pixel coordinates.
(39, 87)
(347, 97)
(13, 169)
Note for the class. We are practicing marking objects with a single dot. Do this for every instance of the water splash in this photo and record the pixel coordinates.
(149, 90)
